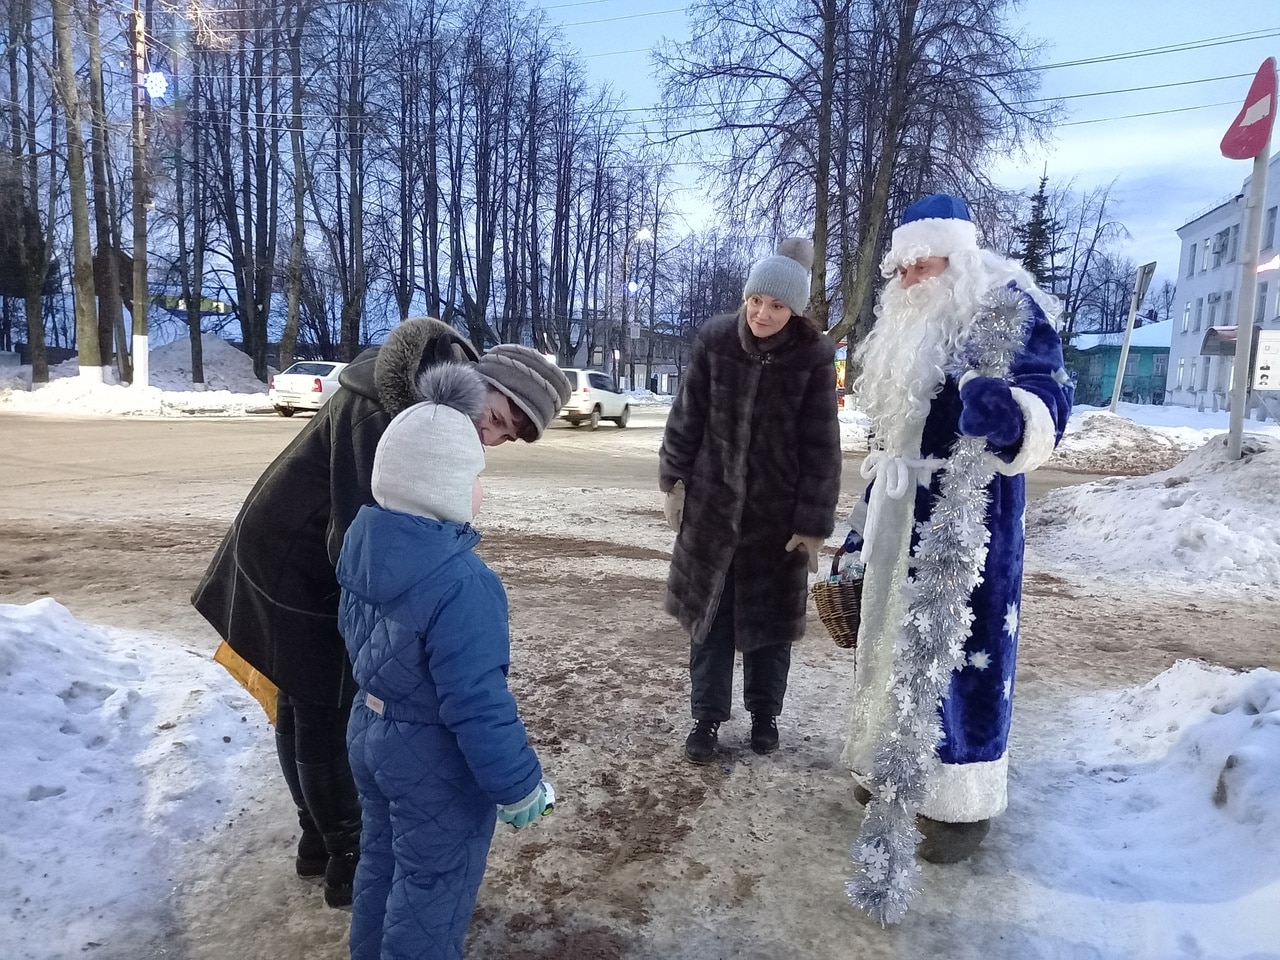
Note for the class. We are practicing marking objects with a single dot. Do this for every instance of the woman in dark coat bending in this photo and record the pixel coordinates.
(272, 593)
(750, 463)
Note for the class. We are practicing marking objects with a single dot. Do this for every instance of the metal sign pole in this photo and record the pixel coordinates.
(1140, 284)
(1245, 305)
(1249, 137)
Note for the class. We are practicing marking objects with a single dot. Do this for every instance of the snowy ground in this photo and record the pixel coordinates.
(144, 817)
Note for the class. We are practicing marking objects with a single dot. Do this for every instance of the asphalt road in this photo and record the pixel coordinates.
(43, 457)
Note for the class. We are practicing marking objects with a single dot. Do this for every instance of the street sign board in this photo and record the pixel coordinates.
(1145, 273)
(1266, 361)
(1248, 134)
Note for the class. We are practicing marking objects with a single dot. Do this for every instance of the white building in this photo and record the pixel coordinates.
(1209, 276)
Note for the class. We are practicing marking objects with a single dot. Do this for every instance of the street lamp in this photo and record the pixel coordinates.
(643, 235)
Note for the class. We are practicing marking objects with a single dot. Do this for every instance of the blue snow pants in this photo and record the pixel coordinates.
(426, 833)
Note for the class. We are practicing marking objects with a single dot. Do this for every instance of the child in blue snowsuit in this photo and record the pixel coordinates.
(437, 747)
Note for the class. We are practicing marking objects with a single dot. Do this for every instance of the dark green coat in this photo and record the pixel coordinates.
(754, 436)
(271, 591)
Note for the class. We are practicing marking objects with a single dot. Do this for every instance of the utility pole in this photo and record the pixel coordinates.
(141, 295)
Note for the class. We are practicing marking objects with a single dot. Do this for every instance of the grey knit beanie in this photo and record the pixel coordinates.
(535, 384)
(429, 456)
(785, 275)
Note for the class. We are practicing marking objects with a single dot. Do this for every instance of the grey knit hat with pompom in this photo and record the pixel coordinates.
(785, 275)
(430, 454)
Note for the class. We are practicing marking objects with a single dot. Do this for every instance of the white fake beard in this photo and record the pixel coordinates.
(904, 358)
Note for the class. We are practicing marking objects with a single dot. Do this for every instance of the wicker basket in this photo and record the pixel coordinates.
(839, 604)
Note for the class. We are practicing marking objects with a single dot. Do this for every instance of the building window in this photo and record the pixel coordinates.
(1131, 367)
(1269, 230)
(1234, 251)
(1228, 318)
(1186, 317)
(1191, 260)
(1221, 241)
(1199, 313)
(1204, 372)
(1182, 369)
(1260, 310)
(1213, 309)
(1160, 364)
(1206, 251)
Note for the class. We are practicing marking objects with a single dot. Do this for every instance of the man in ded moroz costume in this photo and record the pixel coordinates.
(963, 380)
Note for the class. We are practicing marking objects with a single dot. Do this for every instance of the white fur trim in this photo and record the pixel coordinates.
(931, 237)
(966, 792)
(1038, 438)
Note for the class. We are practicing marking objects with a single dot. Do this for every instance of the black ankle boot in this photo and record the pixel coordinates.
(334, 803)
(700, 746)
(311, 857)
(949, 842)
(340, 871)
(764, 733)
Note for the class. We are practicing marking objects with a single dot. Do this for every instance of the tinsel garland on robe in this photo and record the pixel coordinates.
(930, 643)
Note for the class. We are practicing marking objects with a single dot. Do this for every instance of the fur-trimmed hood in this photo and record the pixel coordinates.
(388, 374)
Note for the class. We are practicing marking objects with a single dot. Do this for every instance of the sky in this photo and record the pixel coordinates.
(1164, 169)
(122, 747)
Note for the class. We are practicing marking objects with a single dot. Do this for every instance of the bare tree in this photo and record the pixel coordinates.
(881, 100)
(82, 277)
(1085, 228)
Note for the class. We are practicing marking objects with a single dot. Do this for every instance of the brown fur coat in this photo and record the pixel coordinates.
(753, 435)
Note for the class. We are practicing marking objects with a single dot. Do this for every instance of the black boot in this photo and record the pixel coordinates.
(334, 803)
(764, 733)
(700, 746)
(949, 842)
(312, 857)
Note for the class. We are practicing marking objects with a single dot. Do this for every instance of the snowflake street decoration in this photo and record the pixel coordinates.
(949, 558)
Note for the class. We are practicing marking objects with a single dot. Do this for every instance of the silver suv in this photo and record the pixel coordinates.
(594, 397)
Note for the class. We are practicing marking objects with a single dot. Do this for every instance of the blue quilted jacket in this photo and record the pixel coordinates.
(425, 624)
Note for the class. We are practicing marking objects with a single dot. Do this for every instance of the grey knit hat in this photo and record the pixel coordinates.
(785, 275)
(429, 456)
(534, 383)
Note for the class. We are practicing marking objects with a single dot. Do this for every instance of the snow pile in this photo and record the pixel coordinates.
(225, 367)
(1207, 517)
(230, 386)
(649, 397)
(855, 429)
(1102, 442)
(118, 750)
(1169, 793)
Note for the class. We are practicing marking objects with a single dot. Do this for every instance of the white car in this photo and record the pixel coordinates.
(594, 397)
(304, 386)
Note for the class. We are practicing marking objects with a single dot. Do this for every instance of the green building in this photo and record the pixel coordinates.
(1094, 358)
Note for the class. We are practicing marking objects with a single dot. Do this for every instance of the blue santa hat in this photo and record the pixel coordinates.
(937, 226)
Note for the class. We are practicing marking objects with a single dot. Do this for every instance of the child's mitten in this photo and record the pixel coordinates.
(525, 811)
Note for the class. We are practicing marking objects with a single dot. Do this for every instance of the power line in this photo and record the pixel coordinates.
(1151, 113)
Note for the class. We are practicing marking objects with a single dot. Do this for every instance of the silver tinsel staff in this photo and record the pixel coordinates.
(948, 562)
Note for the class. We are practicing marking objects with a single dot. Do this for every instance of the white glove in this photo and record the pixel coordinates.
(673, 506)
(810, 545)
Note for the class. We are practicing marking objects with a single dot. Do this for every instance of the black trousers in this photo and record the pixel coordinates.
(764, 670)
(311, 742)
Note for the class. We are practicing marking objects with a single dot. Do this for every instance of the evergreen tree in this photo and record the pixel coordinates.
(1037, 236)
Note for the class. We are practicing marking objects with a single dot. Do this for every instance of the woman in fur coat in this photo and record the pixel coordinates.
(750, 464)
